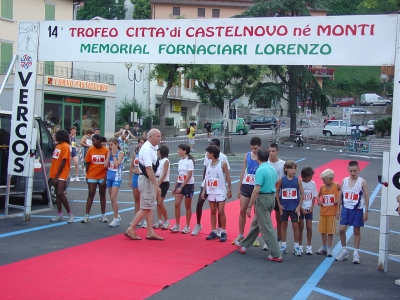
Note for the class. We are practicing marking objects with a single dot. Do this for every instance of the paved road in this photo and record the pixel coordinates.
(235, 276)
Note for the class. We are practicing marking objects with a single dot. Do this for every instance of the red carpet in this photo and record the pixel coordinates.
(117, 267)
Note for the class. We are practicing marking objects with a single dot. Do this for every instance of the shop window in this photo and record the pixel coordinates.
(90, 118)
(176, 11)
(201, 12)
(215, 13)
(52, 116)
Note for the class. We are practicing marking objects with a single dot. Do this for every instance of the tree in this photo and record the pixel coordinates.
(215, 83)
(141, 10)
(291, 76)
(107, 9)
(377, 6)
(343, 7)
(128, 106)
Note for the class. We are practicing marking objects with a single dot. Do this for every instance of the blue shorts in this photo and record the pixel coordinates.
(246, 190)
(289, 213)
(352, 217)
(112, 182)
(135, 178)
(95, 180)
(307, 216)
(73, 152)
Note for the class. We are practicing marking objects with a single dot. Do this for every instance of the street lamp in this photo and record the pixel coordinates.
(140, 68)
(384, 79)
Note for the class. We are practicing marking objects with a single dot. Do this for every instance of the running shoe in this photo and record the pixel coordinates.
(73, 179)
(119, 218)
(238, 239)
(77, 179)
(328, 252)
(309, 250)
(114, 223)
(175, 228)
(301, 249)
(70, 218)
(321, 250)
(276, 259)
(223, 237)
(157, 225)
(397, 281)
(283, 249)
(343, 254)
(144, 224)
(219, 230)
(297, 251)
(212, 236)
(256, 242)
(356, 258)
(186, 229)
(265, 247)
(58, 218)
(166, 225)
(86, 219)
(240, 248)
(103, 219)
(197, 229)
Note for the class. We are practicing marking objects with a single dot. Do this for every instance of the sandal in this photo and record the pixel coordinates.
(132, 236)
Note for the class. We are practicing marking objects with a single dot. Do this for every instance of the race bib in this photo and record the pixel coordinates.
(98, 159)
(250, 179)
(351, 195)
(307, 195)
(73, 144)
(212, 183)
(89, 142)
(289, 193)
(111, 166)
(182, 177)
(328, 200)
(136, 162)
(56, 153)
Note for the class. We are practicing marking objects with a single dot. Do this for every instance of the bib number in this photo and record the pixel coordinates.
(308, 195)
(289, 193)
(136, 162)
(250, 179)
(56, 153)
(212, 183)
(350, 195)
(328, 200)
(98, 159)
(111, 166)
(181, 177)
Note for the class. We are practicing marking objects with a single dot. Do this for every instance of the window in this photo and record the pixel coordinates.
(49, 12)
(176, 11)
(215, 13)
(6, 54)
(7, 9)
(201, 12)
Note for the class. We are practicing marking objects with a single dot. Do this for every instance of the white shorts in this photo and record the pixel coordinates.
(191, 141)
(216, 198)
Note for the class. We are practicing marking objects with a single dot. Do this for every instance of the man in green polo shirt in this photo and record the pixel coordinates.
(263, 196)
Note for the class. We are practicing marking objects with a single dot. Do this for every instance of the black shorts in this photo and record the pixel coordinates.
(164, 188)
(187, 190)
(294, 217)
(199, 199)
(246, 190)
(276, 208)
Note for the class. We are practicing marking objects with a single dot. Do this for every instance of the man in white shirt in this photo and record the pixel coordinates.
(148, 186)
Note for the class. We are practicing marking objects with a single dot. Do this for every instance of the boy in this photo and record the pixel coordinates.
(217, 175)
(290, 195)
(246, 183)
(328, 199)
(310, 197)
(200, 200)
(354, 210)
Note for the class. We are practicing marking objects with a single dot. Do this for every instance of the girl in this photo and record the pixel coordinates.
(59, 172)
(162, 175)
(72, 138)
(96, 175)
(184, 187)
(114, 162)
(134, 172)
(86, 141)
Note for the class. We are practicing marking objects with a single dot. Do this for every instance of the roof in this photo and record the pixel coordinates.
(233, 3)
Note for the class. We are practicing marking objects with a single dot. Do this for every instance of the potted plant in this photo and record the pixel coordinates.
(380, 127)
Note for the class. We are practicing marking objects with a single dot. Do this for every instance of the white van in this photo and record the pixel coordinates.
(373, 99)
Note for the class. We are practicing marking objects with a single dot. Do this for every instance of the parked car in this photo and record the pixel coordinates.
(342, 102)
(264, 122)
(373, 99)
(369, 128)
(241, 126)
(338, 127)
(359, 111)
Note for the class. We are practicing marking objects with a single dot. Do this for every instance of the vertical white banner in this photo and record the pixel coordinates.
(226, 110)
(22, 120)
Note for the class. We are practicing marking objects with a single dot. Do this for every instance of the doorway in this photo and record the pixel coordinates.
(72, 117)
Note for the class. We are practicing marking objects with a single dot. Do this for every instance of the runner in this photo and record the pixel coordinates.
(86, 141)
(207, 127)
(72, 138)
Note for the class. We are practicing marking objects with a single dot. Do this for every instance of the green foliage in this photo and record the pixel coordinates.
(156, 119)
(169, 121)
(342, 7)
(377, 6)
(141, 10)
(126, 107)
(108, 9)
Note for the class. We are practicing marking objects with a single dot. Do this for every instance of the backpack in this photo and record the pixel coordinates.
(188, 130)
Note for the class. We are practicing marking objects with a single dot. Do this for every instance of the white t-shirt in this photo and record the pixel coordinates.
(148, 154)
(278, 167)
(184, 166)
(160, 170)
(310, 191)
(222, 157)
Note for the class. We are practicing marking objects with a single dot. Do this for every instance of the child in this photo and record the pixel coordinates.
(184, 187)
(72, 138)
(162, 176)
(86, 141)
(328, 199)
(114, 163)
(96, 175)
(217, 175)
(192, 133)
(307, 207)
(59, 172)
(246, 184)
(354, 210)
(290, 195)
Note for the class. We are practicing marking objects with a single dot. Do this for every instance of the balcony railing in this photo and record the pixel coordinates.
(322, 72)
(175, 91)
(65, 72)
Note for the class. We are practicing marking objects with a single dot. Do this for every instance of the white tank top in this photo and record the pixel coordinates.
(353, 198)
(215, 179)
(160, 170)
(184, 166)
